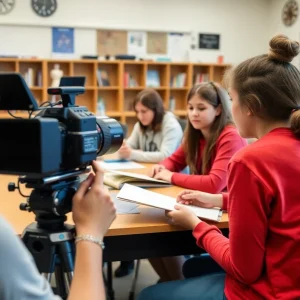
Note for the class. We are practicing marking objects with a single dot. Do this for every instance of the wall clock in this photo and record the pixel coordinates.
(290, 12)
(44, 8)
(6, 6)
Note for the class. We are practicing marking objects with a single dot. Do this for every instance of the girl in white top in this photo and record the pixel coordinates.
(156, 135)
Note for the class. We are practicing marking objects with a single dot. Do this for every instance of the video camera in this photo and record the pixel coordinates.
(52, 149)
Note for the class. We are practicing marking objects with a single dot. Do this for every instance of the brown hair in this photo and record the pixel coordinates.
(269, 85)
(216, 96)
(152, 100)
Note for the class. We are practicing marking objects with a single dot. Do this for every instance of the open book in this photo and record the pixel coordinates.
(141, 196)
(117, 179)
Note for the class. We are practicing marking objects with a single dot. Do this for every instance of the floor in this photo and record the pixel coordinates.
(122, 286)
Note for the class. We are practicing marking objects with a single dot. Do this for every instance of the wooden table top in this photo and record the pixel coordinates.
(149, 220)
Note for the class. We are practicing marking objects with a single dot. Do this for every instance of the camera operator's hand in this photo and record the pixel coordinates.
(93, 212)
(93, 208)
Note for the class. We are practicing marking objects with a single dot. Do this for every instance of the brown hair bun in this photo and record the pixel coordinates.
(283, 49)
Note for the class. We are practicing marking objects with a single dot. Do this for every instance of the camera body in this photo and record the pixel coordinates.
(57, 140)
(83, 137)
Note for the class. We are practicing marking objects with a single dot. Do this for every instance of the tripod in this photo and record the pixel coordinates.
(51, 243)
(49, 239)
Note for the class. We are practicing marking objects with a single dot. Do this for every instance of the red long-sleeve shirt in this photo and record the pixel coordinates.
(228, 143)
(262, 256)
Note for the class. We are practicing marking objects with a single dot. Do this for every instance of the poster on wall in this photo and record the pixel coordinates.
(137, 43)
(209, 41)
(179, 46)
(111, 42)
(157, 43)
(62, 42)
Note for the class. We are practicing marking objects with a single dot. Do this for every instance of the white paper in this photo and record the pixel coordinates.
(137, 43)
(179, 46)
(126, 165)
(138, 176)
(146, 197)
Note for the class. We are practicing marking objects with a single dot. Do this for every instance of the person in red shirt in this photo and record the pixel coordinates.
(210, 140)
(261, 257)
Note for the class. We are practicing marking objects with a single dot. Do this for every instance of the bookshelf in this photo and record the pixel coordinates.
(117, 83)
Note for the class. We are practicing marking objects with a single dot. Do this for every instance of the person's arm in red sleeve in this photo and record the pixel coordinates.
(215, 181)
(241, 256)
(225, 201)
(176, 162)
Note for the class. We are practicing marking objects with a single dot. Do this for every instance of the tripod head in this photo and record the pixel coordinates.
(51, 197)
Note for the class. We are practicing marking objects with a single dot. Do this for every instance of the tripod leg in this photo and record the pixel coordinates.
(66, 251)
(47, 276)
(60, 282)
(110, 290)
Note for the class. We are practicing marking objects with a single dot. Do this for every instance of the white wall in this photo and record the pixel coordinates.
(242, 24)
(277, 26)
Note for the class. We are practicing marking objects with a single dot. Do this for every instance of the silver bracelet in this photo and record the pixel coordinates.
(89, 238)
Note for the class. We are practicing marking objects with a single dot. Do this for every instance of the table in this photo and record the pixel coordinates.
(136, 236)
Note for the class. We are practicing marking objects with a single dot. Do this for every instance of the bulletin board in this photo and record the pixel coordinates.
(143, 44)
(157, 42)
(111, 42)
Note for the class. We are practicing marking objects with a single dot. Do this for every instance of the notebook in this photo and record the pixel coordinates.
(124, 208)
(141, 196)
(117, 179)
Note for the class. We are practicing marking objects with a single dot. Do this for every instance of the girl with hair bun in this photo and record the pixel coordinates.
(261, 258)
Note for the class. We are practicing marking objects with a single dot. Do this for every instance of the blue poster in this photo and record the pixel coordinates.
(63, 40)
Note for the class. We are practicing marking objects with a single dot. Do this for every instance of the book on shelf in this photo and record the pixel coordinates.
(172, 103)
(101, 106)
(201, 77)
(129, 80)
(102, 77)
(117, 179)
(29, 77)
(33, 78)
(153, 79)
(138, 195)
(178, 80)
(39, 79)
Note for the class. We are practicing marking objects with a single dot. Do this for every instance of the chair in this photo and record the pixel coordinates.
(182, 123)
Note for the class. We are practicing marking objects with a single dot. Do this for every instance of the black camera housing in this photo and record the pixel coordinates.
(58, 140)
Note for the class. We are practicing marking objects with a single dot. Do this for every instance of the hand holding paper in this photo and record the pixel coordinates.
(184, 217)
(138, 195)
(201, 199)
(156, 169)
(165, 175)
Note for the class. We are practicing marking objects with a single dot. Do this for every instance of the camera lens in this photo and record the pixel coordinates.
(110, 135)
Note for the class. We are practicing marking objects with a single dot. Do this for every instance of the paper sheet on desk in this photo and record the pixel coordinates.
(119, 164)
(142, 196)
(124, 208)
